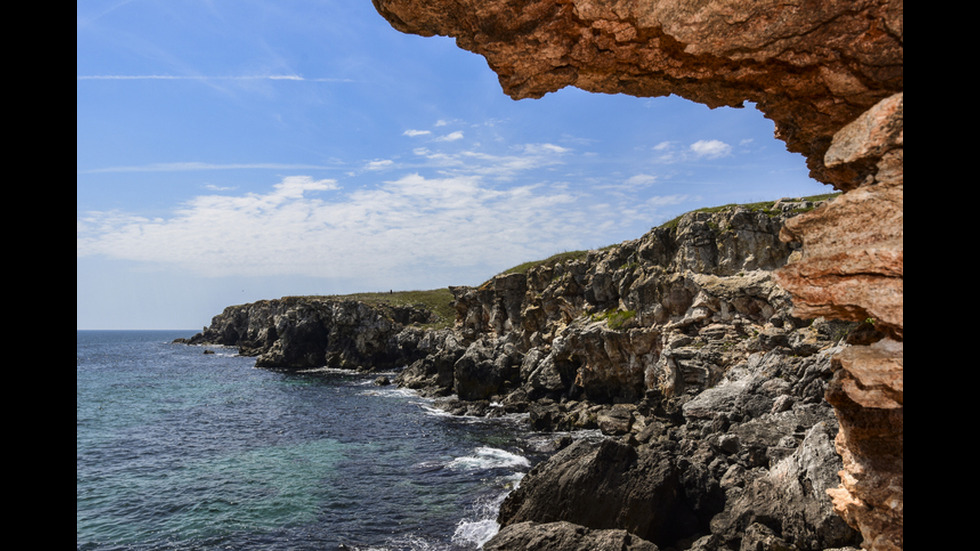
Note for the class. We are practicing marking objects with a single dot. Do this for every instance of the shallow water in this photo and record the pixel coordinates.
(177, 449)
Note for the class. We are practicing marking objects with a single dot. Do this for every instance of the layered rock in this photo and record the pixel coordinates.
(679, 352)
(811, 67)
(830, 75)
(307, 332)
(852, 268)
(530, 536)
(682, 352)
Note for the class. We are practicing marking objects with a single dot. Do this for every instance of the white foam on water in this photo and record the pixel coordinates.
(486, 457)
(389, 391)
(478, 528)
(402, 543)
(324, 369)
(475, 532)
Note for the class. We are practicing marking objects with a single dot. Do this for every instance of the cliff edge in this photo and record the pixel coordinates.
(678, 350)
(830, 75)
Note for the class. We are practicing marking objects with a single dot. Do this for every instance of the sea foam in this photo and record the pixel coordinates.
(485, 457)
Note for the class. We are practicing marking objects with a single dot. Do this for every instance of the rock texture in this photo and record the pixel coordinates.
(566, 536)
(308, 332)
(682, 353)
(677, 352)
(811, 66)
(830, 75)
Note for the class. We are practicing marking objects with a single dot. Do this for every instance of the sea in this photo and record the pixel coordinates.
(178, 449)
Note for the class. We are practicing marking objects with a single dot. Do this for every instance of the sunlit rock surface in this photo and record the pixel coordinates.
(830, 75)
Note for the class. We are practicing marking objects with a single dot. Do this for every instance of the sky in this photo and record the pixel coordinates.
(230, 151)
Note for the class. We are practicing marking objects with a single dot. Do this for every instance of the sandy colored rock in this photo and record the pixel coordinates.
(829, 74)
(810, 66)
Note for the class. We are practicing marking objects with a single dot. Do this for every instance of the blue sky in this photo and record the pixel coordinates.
(236, 150)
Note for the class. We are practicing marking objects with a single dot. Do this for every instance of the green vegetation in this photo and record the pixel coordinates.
(615, 318)
(437, 301)
(764, 206)
(440, 301)
(550, 261)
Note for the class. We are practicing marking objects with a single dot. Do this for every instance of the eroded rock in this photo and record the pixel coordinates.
(830, 74)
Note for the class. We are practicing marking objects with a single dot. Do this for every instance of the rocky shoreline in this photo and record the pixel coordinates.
(679, 347)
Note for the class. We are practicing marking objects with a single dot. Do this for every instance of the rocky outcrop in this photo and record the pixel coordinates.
(681, 351)
(831, 77)
(668, 312)
(852, 268)
(530, 536)
(811, 67)
(678, 350)
(307, 332)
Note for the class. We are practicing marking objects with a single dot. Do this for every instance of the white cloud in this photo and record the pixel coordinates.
(465, 209)
(544, 148)
(192, 166)
(407, 226)
(379, 164)
(443, 222)
(711, 149)
(451, 137)
(281, 77)
(414, 133)
(640, 180)
(212, 187)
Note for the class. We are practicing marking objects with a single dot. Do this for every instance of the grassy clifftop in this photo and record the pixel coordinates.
(764, 206)
(437, 301)
(440, 301)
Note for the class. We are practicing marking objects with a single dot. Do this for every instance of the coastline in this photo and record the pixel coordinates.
(678, 347)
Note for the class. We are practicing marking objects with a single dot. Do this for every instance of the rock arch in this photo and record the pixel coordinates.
(829, 74)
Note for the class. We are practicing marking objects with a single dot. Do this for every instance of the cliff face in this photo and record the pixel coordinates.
(306, 332)
(683, 351)
(678, 347)
(830, 75)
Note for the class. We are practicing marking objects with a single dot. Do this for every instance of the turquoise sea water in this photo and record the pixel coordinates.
(177, 449)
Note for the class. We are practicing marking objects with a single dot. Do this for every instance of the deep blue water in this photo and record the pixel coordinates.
(177, 449)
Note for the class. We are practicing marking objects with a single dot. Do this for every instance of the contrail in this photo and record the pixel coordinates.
(206, 77)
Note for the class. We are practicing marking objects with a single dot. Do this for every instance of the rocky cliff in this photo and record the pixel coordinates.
(678, 349)
(307, 332)
(830, 74)
(683, 351)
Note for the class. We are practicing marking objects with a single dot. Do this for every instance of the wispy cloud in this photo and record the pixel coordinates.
(451, 137)
(283, 77)
(212, 187)
(450, 221)
(379, 164)
(413, 133)
(544, 148)
(194, 166)
(711, 149)
(672, 152)
(496, 165)
(399, 228)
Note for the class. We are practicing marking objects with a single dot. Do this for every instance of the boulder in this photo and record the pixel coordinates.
(564, 536)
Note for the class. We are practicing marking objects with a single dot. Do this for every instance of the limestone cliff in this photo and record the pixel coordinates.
(830, 74)
(678, 347)
(306, 332)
